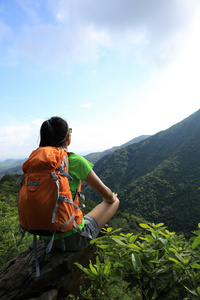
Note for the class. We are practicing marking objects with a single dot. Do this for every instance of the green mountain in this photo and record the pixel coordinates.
(158, 178)
(11, 166)
(95, 156)
(11, 163)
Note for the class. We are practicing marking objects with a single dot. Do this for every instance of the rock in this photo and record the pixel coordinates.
(59, 276)
(51, 295)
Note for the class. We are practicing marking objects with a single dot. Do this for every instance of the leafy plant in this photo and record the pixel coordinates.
(156, 265)
(196, 241)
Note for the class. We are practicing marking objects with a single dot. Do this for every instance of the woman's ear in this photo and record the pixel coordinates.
(67, 140)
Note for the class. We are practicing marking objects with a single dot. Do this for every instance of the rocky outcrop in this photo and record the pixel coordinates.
(59, 276)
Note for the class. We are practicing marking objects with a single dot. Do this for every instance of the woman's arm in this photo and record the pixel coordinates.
(95, 182)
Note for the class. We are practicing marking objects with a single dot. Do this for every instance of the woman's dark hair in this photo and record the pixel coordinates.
(53, 132)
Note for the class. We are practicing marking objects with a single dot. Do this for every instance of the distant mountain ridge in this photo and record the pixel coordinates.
(158, 178)
(11, 163)
(95, 156)
(13, 166)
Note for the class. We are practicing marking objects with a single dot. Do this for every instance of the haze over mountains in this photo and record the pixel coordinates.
(11, 166)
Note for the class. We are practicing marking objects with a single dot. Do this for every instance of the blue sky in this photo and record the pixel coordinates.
(114, 69)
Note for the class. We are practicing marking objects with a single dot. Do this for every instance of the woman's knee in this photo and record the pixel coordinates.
(114, 206)
(118, 202)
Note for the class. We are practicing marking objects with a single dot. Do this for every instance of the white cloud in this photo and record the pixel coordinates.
(152, 25)
(60, 45)
(11, 134)
(86, 105)
(19, 140)
(86, 30)
(37, 122)
(172, 94)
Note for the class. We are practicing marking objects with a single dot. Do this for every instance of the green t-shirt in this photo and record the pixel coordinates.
(79, 168)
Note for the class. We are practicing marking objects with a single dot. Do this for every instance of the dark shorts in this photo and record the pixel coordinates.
(77, 241)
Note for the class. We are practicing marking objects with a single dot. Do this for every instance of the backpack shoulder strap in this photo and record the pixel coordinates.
(62, 171)
(20, 179)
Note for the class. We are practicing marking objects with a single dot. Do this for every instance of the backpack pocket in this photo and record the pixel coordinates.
(33, 183)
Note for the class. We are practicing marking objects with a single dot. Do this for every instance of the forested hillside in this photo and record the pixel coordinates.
(158, 178)
(94, 157)
(11, 166)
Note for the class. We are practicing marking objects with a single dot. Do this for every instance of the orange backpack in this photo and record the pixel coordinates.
(45, 201)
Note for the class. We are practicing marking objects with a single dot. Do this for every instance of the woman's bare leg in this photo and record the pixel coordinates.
(103, 212)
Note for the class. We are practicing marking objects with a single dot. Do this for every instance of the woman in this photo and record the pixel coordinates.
(56, 133)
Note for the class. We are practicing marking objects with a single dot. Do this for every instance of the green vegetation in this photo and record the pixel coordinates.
(9, 222)
(10, 233)
(155, 265)
(9, 190)
(94, 157)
